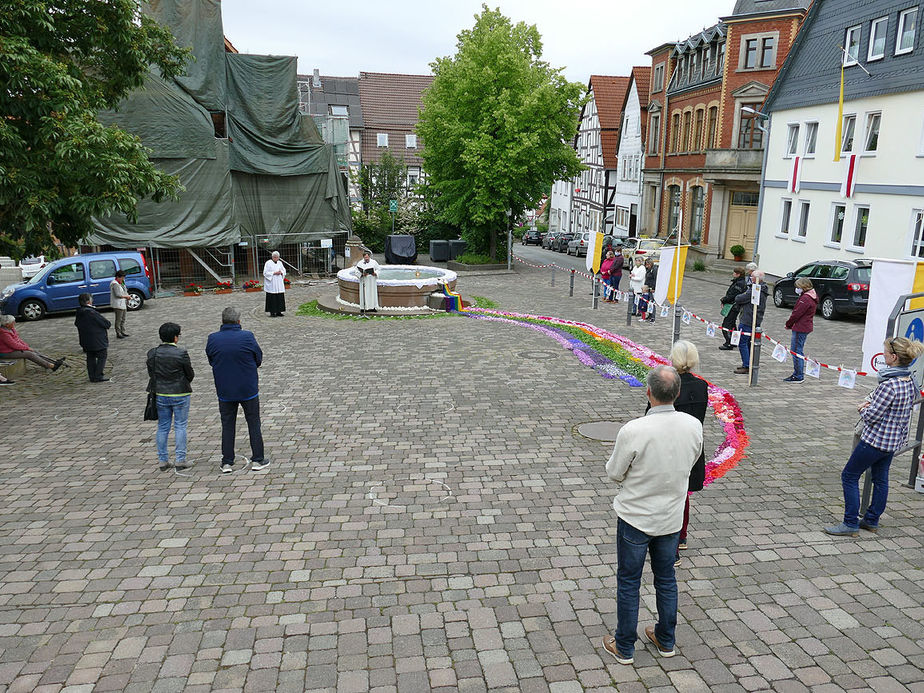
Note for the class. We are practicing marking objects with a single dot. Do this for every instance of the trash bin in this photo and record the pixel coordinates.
(439, 251)
(456, 248)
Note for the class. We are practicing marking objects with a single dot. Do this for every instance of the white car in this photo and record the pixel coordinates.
(31, 266)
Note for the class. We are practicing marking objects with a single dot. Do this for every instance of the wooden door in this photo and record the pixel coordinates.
(742, 224)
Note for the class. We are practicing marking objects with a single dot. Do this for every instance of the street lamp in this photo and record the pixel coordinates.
(509, 239)
(759, 116)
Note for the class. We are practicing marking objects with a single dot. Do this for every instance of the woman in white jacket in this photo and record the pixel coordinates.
(637, 280)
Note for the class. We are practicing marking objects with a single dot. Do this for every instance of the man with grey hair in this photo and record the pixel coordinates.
(235, 357)
(274, 285)
(651, 461)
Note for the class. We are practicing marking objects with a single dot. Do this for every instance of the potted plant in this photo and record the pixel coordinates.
(286, 283)
(223, 287)
(738, 252)
(192, 289)
(252, 285)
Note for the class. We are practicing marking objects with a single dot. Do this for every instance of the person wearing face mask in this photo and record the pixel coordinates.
(801, 323)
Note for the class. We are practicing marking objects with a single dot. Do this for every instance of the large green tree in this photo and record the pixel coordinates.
(61, 62)
(496, 124)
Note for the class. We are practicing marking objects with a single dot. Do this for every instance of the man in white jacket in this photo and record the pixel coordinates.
(651, 460)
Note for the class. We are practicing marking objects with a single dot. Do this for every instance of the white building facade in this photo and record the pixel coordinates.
(870, 204)
(560, 205)
(628, 201)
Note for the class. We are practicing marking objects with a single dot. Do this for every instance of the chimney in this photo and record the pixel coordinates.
(316, 79)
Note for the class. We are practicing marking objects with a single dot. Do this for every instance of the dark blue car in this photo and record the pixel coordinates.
(56, 287)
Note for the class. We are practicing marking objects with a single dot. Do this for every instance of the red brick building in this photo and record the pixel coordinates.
(705, 142)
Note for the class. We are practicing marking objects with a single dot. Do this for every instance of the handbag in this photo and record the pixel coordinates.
(150, 408)
(726, 309)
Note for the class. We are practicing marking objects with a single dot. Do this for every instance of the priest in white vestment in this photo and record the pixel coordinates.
(274, 287)
(367, 270)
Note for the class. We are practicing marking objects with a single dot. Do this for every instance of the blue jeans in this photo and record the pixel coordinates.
(864, 457)
(176, 408)
(797, 344)
(744, 345)
(631, 547)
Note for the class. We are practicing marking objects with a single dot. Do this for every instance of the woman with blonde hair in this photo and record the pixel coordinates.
(693, 400)
(885, 414)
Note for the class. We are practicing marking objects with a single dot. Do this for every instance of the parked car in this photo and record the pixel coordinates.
(550, 238)
(560, 244)
(56, 287)
(643, 247)
(532, 237)
(31, 266)
(577, 246)
(842, 286)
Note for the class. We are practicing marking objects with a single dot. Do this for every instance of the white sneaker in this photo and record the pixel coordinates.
(257, 466)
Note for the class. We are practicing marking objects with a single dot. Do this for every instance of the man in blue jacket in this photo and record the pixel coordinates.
(235, 357)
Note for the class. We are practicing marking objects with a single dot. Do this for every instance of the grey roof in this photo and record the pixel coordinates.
(764, 6)
(335, 91)
(811, 73)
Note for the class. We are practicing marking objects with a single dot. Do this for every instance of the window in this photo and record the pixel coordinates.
(792, 140)
(654, 133)
(860, 226)
(803, 218)
(129, 266)
(811, 137)
(768, 52)
(685, 142)
(102, 269)
(338, 110)
(917, 233)
(675, 133)
(745, 199)
(673, 215)
(750, 54)
(750, 136)
(850, 124)
(758, 52)
(413, 176)
(694, 67)
(713, 126)
(785, 213)
(852, 46)
(381, 139)
(698, 130)
(657, 77)
(698, 204)
(907, 23)
(877, 38)
(837, 224)
(68, 273)
(871, 141)
(410, 141)
(721, 62)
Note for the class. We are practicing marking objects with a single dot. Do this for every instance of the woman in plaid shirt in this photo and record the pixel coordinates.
(885, 414)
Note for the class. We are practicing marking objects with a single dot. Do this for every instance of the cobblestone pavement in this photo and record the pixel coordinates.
(431, 519)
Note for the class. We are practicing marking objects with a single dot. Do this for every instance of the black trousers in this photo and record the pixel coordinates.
(228, 412)
(730, 323)
(96, 361)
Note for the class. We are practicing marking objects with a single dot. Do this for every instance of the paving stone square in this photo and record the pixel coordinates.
(432, 519)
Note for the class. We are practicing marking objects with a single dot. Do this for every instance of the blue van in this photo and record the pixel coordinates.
(56, 287)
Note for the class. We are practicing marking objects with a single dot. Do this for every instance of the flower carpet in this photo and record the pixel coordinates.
(617, 358)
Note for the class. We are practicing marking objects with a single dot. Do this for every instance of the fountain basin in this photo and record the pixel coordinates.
(398, 285)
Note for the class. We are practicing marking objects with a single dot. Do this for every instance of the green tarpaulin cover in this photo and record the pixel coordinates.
(272, 176)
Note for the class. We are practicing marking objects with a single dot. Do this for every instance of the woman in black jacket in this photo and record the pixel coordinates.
(693, 400)
(738, 285)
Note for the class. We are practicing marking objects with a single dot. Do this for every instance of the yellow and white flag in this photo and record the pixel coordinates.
(890, 279)
(594, 247)
(670, 273)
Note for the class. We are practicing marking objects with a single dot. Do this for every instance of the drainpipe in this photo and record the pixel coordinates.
(760, 192)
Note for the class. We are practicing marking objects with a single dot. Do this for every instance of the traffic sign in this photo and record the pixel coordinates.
(392, 206)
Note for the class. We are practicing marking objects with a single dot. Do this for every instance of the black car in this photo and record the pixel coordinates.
(842, 286)
(532, 237)
(560, 244)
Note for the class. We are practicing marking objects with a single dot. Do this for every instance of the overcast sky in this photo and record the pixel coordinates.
(343, 38)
